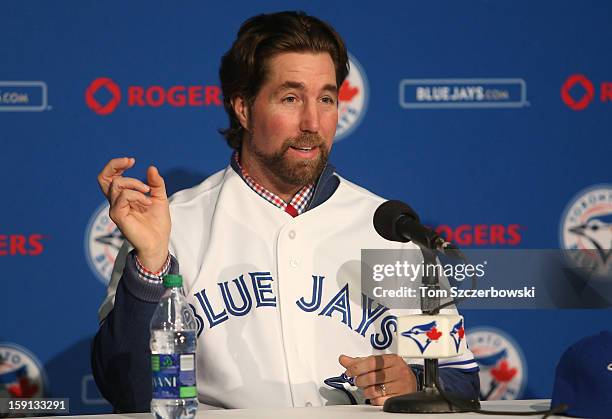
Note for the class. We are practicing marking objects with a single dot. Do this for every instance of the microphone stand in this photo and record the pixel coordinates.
(429, 399)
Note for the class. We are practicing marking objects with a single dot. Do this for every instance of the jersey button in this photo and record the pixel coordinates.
(292, 234)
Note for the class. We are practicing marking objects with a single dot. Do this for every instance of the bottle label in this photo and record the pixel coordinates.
(173, 376)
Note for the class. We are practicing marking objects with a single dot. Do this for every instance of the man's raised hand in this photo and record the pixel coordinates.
(140, 211)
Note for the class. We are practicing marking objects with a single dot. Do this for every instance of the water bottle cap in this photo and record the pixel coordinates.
(172, 281)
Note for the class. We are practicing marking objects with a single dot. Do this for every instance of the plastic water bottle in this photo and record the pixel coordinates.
(173, 348)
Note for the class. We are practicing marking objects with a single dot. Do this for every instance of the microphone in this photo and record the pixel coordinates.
(396, 221)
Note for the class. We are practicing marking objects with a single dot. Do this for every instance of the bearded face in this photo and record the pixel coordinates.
(296, 171)
(292, 121)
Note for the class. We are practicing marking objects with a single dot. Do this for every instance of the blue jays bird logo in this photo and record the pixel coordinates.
(353, 100)
(503, 371)
(423, 335)
(597, 231)
(102, 243)
(458, 333)
(345, 384)
(21, 373)
(586, 230)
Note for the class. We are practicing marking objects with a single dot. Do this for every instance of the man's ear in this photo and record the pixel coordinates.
(242, 111)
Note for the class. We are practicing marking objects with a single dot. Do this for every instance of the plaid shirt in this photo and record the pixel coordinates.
(295, 207)
(152, 277)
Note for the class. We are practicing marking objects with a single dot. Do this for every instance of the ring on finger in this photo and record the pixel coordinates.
(383, 389)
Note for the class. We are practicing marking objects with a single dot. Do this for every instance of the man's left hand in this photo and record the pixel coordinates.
(380, 376)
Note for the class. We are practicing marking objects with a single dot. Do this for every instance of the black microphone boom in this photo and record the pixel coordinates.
(396, 221)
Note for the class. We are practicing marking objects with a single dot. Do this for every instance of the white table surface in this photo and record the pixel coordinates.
(345, 412)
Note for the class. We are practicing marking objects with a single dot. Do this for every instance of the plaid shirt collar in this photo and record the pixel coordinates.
(295, 207)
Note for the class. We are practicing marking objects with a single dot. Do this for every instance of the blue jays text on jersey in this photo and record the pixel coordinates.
(261, 283)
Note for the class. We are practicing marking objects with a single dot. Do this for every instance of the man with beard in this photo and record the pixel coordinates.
(267, 247)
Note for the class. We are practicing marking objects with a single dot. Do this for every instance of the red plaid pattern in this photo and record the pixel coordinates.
(295, 207)
(152, 277)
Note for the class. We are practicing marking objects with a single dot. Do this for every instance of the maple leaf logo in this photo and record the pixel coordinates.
(461, 333)
(24, 389)
(503, 373)
(347, 92)
(433, 334)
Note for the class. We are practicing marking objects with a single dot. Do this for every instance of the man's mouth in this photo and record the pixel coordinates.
(305, 149)
(305, 152)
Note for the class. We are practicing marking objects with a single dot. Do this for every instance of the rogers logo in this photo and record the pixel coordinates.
(111, 104)
(482, 234)
(19, 244)
(587, 97)
(579, 102)
(152, 96)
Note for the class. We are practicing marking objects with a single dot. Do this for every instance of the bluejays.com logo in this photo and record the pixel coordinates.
(352, 100)
(503, 371)
(102, 243)
(21, 373)
(23, 96)
(586, 231)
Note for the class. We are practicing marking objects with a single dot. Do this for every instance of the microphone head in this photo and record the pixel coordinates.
(386, 217)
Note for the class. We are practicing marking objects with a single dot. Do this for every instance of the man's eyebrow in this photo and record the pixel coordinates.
(331, 88)
(291, 85)
(300, 86)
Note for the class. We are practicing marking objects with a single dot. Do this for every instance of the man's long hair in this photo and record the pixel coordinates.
(244, 67)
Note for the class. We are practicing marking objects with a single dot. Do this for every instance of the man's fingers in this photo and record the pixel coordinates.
(126, 198)
(347, 361)
(380, 376)
(156, 182)
(120, 183)
(371, 363)
(371, 378)
(379, 401)
(117, 166)
(393, 373)
(376, 391)
(113, 168)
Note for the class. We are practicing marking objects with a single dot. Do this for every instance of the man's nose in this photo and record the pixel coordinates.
(310, 117)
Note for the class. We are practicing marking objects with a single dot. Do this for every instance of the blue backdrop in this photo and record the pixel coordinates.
(489, 118)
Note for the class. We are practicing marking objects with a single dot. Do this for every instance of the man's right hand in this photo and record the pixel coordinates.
(143, 220)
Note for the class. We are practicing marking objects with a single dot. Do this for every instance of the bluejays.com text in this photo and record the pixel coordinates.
(412, 271)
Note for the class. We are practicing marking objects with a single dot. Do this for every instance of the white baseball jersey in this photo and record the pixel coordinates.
(278, 298)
